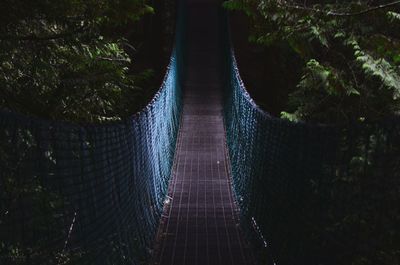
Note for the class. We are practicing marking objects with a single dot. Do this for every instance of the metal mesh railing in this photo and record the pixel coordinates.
(313, 194)
(90, 194)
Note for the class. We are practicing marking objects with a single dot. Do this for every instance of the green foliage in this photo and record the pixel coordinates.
(350, 51)
(318, 85)
(381, 69)
(393, 16)
(61, 59)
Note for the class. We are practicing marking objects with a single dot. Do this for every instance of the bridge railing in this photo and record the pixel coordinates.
(311, 193)
(88, 194)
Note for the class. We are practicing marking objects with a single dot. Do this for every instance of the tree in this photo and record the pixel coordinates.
(63, 60)
(350, 54)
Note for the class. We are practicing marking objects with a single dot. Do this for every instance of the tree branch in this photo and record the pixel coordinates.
(42, 38)
(109, 59)
(338, 14)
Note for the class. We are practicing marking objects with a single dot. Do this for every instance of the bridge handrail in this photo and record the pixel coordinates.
(91, 193)
(296, 183)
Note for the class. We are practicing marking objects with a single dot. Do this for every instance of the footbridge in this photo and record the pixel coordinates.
(200, 176)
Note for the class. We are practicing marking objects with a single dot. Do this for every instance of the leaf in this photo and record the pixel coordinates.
(352, 91)
(393, 16)
(293, 117)
(317, 34)
(381, 69)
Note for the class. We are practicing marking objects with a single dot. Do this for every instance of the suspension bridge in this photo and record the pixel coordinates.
(201, 175)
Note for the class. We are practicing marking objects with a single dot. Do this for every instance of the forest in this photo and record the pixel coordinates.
(83, 61)
(99, 61)
(311, 63)
(342, 57)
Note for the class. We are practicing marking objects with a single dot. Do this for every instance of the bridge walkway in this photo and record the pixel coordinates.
(200, 225)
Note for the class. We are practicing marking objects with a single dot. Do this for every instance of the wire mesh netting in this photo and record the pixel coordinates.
(313, 194)
(88, 194)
